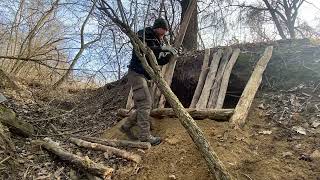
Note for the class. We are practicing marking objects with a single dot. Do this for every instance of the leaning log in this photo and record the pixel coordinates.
(117, 143)
(99, 147)
(83, 163)
(203, 100)
(225, 79)
(130, 102)
(245, 101)
(8, 118)
(202, 78)
(216, 86)
(216, 114)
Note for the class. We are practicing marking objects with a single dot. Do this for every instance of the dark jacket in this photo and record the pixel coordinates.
(155, 45)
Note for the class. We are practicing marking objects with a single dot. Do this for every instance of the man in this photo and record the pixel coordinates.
(138, 77)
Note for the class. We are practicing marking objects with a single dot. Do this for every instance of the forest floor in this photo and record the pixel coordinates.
(281, 139)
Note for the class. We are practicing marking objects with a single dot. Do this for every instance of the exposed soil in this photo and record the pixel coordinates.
(250, 154)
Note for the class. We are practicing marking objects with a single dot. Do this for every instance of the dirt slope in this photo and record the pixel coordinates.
(251, 154)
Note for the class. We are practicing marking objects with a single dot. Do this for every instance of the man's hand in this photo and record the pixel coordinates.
(170, 49)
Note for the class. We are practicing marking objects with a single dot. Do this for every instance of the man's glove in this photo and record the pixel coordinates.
(170, 49)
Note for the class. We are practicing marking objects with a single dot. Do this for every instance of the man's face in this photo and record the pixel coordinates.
(161, 32)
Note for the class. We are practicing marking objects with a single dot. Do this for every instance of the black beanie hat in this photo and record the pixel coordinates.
(160, 23)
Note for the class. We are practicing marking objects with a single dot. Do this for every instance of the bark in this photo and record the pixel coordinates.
(99, 147)
(171, 65)
(225, 79)
(203, 100)
(216, 85)
(245, 101)
(202, 78)
(82, 163)
(8, 118)
(118, 143)
(215, 114)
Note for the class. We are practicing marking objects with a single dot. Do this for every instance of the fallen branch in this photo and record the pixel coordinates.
(216, 114)
(99, 147)
(117, 143)
(242, 109)
(83, 163)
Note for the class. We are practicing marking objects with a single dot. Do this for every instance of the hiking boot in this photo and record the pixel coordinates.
(153, 140)
(128, 132)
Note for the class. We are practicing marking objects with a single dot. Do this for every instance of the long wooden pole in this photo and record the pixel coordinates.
(242, 109)
(225, 78)
(202, 78)
(203, 100)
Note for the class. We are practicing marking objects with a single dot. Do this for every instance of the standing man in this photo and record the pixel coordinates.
(138, 77)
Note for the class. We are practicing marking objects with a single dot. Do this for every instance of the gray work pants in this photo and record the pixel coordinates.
(142, 101)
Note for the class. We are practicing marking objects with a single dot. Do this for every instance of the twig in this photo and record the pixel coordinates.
(314, 90)
(5, 159)
(247, 176)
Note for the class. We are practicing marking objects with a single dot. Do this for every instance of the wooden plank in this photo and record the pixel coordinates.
(242, 109)
(203, 100)
(202, 78)
(225, 78)
(216, 85)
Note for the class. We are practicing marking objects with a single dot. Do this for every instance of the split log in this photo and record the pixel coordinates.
(202, 78)
(245, 101)
(225, 78)
(216, 114)
(203, 100)
(8, 118)
(130, 102)
(83, 163)
(99, 147)
(178, 42)
(117, 143)
(216, 86)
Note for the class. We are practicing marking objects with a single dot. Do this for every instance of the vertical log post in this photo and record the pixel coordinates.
(225, 78)
(202, 78)
(216, 86)
(203, 100)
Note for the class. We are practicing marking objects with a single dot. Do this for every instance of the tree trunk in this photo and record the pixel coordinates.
(215, 114)
(202, 78)
(225, 79)
(190, 41)
(203, 100)
(245, 101)
(216, 86)
(171, 65)
(83, 163)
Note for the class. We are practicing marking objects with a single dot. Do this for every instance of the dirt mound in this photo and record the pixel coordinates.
(251, 154)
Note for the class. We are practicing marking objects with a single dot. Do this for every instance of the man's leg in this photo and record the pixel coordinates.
(143, 102)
